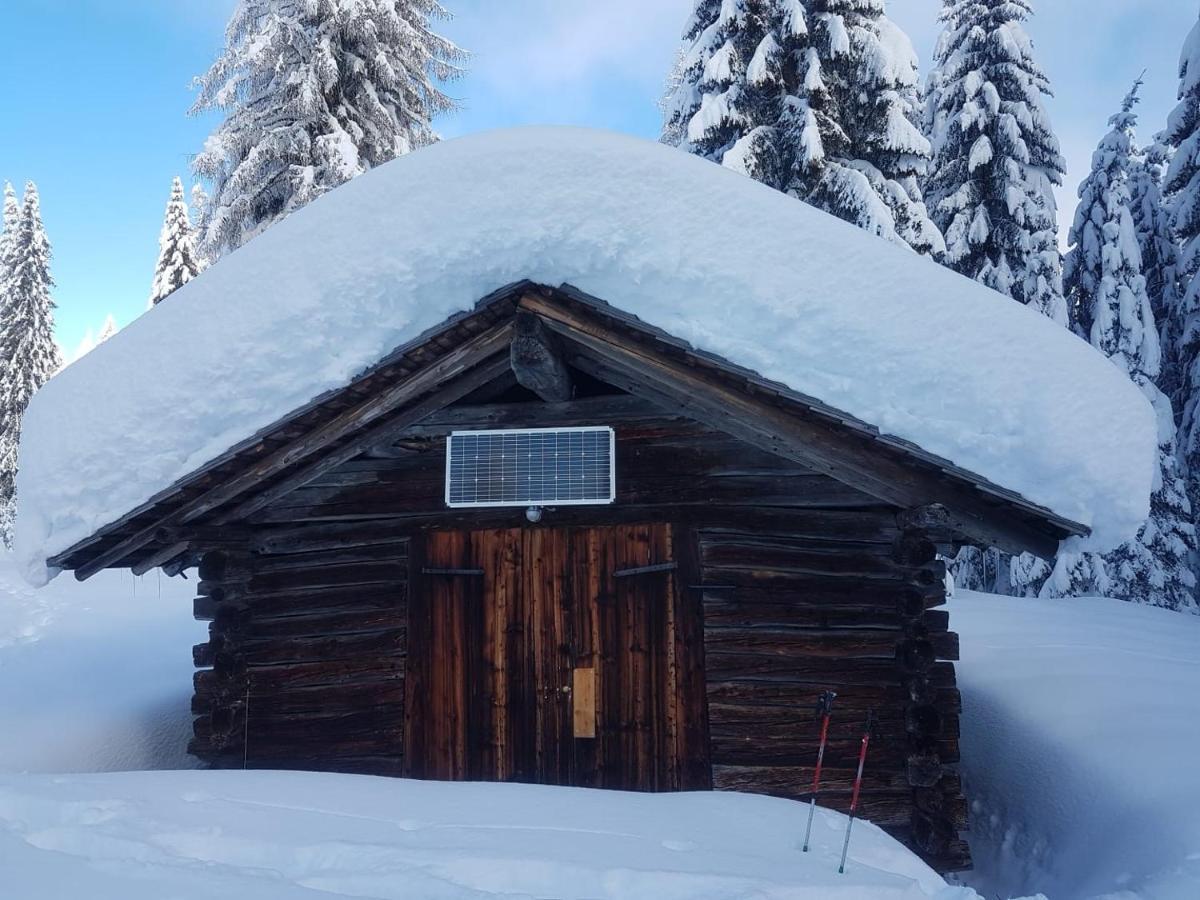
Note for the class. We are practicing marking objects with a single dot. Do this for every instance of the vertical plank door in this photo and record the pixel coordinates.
(463, 607)
(548, 655)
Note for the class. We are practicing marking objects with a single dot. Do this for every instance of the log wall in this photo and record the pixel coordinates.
(787, 617)
(806, 585)
(304, 666)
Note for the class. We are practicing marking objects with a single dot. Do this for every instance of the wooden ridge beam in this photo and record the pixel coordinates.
(605, 353)
(434, 381)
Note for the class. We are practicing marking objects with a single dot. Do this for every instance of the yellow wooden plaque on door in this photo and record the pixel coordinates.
(583, 691)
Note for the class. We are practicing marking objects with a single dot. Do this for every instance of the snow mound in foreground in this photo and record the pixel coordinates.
(715, 258)
(97, 676)
(285, 836)
(1081, 720)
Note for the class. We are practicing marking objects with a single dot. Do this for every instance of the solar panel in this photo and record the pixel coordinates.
(530, 467)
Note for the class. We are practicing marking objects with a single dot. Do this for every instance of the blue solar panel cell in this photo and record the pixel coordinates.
(530, 467)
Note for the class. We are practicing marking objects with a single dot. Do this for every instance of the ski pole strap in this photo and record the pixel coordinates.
(825, 704)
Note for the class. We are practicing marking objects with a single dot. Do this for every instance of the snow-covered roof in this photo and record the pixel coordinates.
(710, 256)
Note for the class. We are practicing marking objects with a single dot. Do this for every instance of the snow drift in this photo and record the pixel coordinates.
(95, 677)
(1080, 724)
(287, 836)
(721, 261)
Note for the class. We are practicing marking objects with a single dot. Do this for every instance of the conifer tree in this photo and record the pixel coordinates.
(1160, 254)
(817, 101)
(26, 339)
(1182, 187)
(729, 92)
(8, 232)
(178, 262)
(996, 158)
(1106, 293)
(673, 133)
(313, 94)
(867, 112)
(1102, 274)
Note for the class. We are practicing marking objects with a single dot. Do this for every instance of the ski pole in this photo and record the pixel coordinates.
(862, 759)
(824, 710)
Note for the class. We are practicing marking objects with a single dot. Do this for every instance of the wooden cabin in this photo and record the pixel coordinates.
(751, 548)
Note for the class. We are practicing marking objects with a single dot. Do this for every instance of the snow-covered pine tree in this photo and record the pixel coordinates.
(314, 93)
(178, 263)
(8, 232)
(1109, 305)
(729, 96)
(673, 133)
(1182, 187)
(819, 102)
(1160, 254)
(26, 340)
(1102, 271)
(863, 91)
(995, 157)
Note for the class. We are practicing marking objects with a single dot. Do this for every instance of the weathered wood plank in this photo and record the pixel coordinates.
(801, 698)
(847, 643)
(618, 410)
(273, 650)
(733, 609)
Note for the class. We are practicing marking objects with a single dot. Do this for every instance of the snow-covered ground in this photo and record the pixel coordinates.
(274, 835)
(1081, 726)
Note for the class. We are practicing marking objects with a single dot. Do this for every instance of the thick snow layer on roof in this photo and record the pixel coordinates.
(708, 255)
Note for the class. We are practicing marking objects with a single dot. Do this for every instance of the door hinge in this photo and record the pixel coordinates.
(646, 570)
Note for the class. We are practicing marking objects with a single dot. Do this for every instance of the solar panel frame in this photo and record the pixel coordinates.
(511, 483)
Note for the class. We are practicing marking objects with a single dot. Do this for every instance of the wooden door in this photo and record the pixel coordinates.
(556, 656)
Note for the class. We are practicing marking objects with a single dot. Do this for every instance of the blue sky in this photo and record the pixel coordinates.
(93, 105)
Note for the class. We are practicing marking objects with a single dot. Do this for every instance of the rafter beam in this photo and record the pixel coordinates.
(160, 557)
